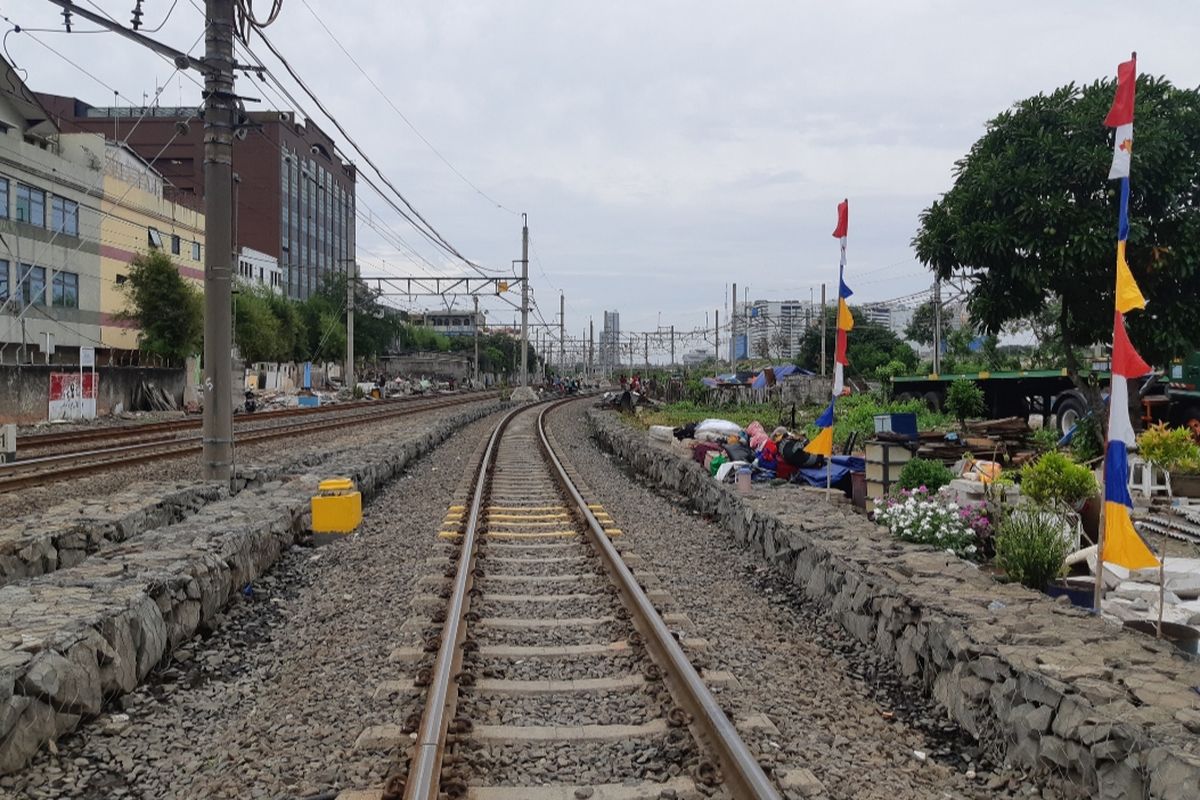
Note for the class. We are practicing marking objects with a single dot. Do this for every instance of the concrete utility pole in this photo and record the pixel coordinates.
(646, 351)
(475, 325)
(591, 346)
(672, 347)
(733, 334)
(351, 280)
(822, 330)
(937, 326)
(562, 332)
(218, 241)
(524, 300)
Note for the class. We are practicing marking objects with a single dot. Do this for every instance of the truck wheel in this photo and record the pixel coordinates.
(933, 400)
(1189, 417)
(905, 397)
(1070, 410)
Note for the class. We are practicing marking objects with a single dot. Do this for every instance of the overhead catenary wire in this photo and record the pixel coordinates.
(425, 227)
(403, 116)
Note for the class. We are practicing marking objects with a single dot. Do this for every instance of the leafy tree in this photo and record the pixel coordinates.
(920, 327)
(870, 346)
(1032, 218)
(256, 329)
(168, 310)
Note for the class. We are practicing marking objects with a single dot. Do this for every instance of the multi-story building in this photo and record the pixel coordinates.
(74, 210)
(137, 218)
(50, 279)
(775, 327)
(294, 197)
(259, 269)
(694, 358)
(450, 323)
(610, 342)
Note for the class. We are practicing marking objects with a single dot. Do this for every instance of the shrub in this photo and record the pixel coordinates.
(1030, 547)
(1087, 443)
(1045, 439)
(924, 519)
(919, 472)
(964, 399)
(1055, 480)
(1173, 449)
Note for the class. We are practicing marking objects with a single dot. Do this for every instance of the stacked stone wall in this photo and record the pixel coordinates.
(1048, 688)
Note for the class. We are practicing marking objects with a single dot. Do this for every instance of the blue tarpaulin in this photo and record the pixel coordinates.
(842, 467)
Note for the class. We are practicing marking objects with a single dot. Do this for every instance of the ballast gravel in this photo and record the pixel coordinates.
(840, 710)
(270, 703)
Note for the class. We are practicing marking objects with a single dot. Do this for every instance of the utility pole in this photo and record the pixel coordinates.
(475, 326)
(733, 334)
(937, 326)
(562, 332)
(591, 347)
(822, 330)
(351, 279)
(524, 300)
(717, 333)
(672, 347)
(646, 351)
(218, 236)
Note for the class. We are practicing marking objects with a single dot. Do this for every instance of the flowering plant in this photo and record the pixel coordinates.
(917, 516)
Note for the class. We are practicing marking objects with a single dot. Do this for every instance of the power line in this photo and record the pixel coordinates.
(402, 116)
(432, 232)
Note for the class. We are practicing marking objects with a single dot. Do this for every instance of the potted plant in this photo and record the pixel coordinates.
(1176, 452)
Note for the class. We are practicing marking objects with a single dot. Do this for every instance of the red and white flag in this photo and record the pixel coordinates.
(1120, 116)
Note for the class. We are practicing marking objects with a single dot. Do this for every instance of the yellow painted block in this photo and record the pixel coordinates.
(338, 508)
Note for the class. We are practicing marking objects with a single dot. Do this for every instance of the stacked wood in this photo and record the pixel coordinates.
(1004, 440)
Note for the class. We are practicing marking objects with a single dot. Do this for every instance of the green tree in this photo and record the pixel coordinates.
(869, 346)
(168, 310)
(1031, 219)
(920, 327)
(257, 331)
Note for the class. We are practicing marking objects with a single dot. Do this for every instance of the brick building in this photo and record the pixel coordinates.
(294, 196)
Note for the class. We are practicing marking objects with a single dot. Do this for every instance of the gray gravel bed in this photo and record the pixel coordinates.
(188, 468)
(268, 705)
(601, 604)
(616, 708)
(653, 758)
(578, 634)
(841, 710)
(558, 669)
(533, 568)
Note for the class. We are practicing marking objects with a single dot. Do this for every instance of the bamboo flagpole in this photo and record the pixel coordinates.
(822, 445)
(1118, 542)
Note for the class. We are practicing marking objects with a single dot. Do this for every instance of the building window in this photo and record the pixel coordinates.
(66, 290)
(3, 280)
(154, 237)
(176, 245)
(121, 279)
(33, 285)
(31, 205)
(3, 198)
(195, 251)
(64, 216)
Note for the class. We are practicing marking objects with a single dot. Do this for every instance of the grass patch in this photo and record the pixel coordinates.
(675, 414)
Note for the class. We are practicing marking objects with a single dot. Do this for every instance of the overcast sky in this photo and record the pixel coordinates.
(661, 149)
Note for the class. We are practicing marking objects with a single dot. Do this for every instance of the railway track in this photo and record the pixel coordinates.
(169, 429)
(546, 670)
(50, 468)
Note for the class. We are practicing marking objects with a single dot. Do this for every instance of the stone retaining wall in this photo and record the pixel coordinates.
(1052, 689)
(71, 639)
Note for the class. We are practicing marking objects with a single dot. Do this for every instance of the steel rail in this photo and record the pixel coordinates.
(740, 770)
(425, 768)
(38, 440)
(192, 444)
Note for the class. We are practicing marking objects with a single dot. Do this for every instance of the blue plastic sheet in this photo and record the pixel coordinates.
(842, 467)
